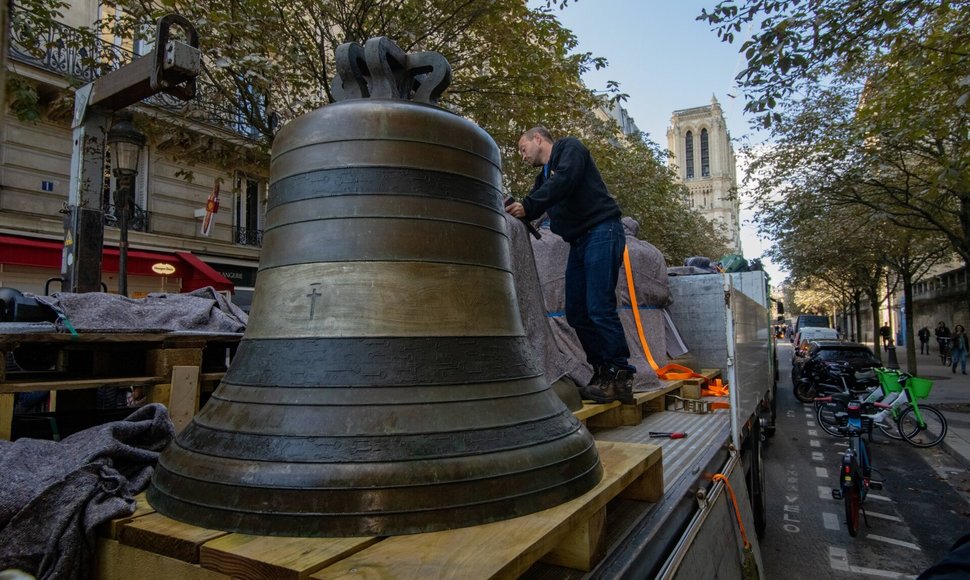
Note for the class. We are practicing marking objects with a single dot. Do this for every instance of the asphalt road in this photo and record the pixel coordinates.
(922, 509)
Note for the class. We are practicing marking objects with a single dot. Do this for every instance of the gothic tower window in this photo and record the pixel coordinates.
(689, 154)
(705, 155)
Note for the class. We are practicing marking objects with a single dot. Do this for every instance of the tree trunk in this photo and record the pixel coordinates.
(874, 303)
(908, 316)
(857, 323)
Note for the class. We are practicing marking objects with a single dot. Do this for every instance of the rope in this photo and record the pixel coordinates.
(737, 511)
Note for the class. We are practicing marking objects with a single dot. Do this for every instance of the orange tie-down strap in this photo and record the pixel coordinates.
(670, 372)
(715, 388)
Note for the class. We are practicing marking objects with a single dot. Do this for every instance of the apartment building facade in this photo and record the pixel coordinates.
(177, 173)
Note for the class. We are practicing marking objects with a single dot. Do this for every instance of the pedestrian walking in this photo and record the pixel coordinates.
(886, 333)
(942, 335)
(960, 347)
(924, 340)
(571, 191)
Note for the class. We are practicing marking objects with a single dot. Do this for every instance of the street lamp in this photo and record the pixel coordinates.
(126, 143)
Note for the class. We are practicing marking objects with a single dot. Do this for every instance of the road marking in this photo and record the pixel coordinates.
(814, 443)
(894, 542)
(810, 423)
(839, 560)
(821, 472)
(841, 443)
(884, 516)
(824, 492)
(813, 432)
(831, 521)
(817, 456)
(877, 496)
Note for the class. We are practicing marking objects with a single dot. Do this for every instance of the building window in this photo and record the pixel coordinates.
(247, 215)
(705, 155)
(689, 149)
(138, 216)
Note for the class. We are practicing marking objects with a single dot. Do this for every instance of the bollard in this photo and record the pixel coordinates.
(891, 362)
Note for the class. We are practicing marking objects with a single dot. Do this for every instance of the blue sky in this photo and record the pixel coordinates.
(665, 60)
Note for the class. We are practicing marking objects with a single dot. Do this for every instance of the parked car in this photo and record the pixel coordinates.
(810, 333)
(820, 352)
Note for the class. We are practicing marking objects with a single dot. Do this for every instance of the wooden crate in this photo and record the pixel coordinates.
(150, 546)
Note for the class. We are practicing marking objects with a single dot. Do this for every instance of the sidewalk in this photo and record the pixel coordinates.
(951, 395)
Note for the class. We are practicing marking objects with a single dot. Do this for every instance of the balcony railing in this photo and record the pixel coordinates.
(138, 218)
(248, 237)
(82, 57)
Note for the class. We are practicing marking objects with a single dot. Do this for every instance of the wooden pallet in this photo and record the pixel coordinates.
(150, 546)
(172, 366)
(609, 415)
(691, 388)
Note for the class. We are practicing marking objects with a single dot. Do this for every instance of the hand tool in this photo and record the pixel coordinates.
(674, 435)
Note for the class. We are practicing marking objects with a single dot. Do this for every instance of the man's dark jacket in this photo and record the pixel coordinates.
(573, 194)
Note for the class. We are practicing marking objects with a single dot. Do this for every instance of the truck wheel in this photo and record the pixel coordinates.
(756, 480)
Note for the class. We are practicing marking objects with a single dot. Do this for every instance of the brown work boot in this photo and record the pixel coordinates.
(599, 375)
(620, 384)
(602, 393)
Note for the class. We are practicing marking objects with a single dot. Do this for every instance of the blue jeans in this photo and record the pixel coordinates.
(591, 273)
(959, 357)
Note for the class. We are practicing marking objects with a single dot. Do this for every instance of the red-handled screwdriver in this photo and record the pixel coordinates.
(676, 435)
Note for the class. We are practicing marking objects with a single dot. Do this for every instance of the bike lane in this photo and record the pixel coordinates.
(911, 521)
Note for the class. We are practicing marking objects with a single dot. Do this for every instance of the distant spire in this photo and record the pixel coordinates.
(714, 100)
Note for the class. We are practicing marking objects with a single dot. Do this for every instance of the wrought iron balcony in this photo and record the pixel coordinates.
(248, 237)
(82, 57)
(138, 218)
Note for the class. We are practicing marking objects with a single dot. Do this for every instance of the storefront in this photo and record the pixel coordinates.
(34, 265)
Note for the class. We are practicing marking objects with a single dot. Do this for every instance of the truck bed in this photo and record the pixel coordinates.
(641, 535)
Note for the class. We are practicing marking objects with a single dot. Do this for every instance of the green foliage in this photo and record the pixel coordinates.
(797, 43)
(266, 62)
(23, 99)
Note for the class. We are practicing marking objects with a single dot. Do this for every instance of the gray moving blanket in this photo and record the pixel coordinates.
(202, 310)
(54, 494)
(652, 293)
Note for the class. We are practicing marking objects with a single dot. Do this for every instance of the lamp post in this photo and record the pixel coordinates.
(126, 143)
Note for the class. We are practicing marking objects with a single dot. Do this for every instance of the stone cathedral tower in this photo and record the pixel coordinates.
(704, 161)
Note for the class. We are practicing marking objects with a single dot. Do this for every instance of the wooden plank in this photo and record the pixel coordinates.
(65, 385)
(260, 557)
(84, 338)
(7, 401)
(608, 418)
(183, 401)
(116, 561)
(591, 409)
(167, 537)
(113, 528)
(503, 549)
(582, 548)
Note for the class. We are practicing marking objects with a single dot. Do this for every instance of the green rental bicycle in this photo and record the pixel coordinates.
(919, 424)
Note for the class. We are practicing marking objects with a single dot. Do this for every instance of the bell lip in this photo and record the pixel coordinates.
(402, 522)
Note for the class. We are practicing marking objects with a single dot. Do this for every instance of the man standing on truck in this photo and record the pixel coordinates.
(581, 210)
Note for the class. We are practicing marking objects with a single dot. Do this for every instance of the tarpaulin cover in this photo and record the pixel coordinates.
(652, 292)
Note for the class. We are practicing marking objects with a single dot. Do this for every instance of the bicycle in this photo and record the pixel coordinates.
(946, 355)
(889, 387)
(855, 470)
(919, 424)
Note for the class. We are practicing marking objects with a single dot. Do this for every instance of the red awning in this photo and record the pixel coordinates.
(45, 253)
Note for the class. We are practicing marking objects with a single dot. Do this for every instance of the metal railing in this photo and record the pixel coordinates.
(83, 57)
(247, 236)
(138, 218)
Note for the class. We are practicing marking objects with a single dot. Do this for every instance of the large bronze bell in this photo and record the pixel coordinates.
(384, 384)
